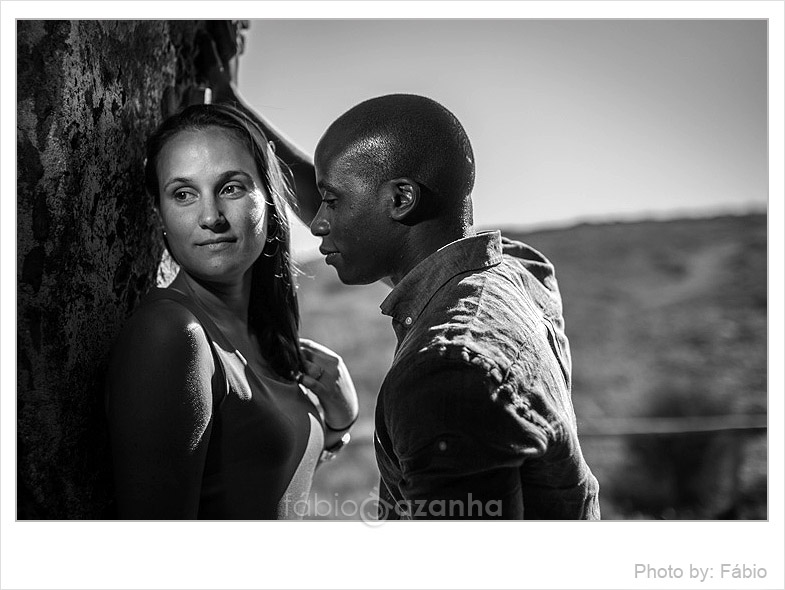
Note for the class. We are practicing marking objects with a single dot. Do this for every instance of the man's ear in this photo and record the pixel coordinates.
(406, 198)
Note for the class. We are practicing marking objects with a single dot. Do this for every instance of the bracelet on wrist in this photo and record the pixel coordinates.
(328, 454)
(347, 427)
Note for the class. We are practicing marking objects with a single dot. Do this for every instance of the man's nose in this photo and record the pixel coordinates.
(320, 226)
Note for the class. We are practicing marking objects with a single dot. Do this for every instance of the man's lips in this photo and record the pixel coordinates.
(329, 255)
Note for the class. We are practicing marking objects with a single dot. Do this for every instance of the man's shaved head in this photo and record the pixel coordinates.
(405, 135)
(395, 174)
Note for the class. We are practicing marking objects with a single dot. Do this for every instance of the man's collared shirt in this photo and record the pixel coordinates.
(474, 418)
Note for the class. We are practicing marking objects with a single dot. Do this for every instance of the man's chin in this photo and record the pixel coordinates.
(347, 274)
(352, 278)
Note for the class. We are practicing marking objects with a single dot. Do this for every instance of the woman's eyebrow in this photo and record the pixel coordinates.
(223, 177)
(178, 180)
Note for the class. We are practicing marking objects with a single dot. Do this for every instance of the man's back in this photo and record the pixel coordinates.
(474, 418)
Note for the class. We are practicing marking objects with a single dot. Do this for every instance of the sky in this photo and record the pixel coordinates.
(574, 120)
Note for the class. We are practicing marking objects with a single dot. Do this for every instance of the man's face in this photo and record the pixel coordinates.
(352, 220)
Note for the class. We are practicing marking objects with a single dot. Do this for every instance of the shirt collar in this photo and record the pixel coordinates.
(407, 300)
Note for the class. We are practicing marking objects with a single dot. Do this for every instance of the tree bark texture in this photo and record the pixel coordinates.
(88, 245)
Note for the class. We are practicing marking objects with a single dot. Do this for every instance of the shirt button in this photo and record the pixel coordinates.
(408, 321)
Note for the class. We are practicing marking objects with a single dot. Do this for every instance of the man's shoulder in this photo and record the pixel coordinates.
(488, 326)
(480, 318)
(446, 355)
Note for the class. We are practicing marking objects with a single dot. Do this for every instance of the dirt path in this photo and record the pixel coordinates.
(702, 269)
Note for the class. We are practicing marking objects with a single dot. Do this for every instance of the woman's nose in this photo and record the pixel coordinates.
(211, 216)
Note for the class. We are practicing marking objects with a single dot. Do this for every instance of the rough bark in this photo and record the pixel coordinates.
(88, 245)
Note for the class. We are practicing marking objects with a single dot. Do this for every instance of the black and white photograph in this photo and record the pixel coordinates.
(361, 267)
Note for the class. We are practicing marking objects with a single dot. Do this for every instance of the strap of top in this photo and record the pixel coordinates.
(211, 330)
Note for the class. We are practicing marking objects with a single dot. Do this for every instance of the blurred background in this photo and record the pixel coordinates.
(633, 154)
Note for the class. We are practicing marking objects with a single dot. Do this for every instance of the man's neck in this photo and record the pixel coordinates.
(421, 243)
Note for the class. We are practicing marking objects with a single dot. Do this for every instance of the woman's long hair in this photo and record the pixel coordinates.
(273, 311)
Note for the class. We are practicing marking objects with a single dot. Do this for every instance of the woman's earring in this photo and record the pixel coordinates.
(272, 237)
(271, 254)
(275, 248)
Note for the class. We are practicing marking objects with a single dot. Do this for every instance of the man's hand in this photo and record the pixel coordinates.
(216, 71)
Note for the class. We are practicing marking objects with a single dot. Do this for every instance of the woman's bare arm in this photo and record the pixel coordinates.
(159, 405)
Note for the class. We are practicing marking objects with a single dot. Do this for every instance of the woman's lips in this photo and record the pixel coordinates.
(218, 244)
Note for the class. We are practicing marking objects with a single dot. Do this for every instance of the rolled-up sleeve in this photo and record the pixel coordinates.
(460, 447)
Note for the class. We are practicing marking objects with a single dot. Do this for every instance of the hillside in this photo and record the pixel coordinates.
(665, 319)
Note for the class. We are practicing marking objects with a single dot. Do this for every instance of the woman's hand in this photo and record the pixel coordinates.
(328, 378)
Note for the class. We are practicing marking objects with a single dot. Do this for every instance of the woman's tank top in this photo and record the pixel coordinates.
(266, 436)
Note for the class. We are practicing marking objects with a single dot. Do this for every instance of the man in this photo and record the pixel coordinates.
(474, 418)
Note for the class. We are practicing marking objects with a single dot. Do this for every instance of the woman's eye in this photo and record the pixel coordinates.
(232, 190)
(182, 196)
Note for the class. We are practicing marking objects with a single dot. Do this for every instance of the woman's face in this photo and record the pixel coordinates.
(212, 203)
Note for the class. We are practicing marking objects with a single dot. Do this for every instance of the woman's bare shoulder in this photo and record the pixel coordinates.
(162, 343)
(160, 321)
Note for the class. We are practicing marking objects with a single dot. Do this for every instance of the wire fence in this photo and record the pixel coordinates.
(668, 426)
(643, 426)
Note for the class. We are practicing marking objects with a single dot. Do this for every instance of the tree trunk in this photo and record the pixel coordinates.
(88, 245)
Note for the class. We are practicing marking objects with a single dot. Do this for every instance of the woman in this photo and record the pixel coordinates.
(206, 411)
